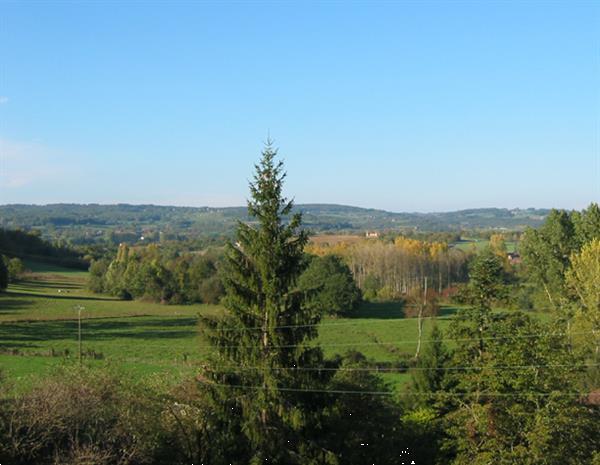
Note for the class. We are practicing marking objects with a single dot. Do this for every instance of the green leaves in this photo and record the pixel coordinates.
(486, 278)
(547, 251)
(332, 284)
(517, 403)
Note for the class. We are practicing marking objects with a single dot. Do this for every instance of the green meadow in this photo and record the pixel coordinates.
(476, 244)
(39, 331)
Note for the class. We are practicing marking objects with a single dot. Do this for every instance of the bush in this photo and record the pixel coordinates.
(463, 295)
(387, 293)
(96, 281)
(330, 277)
(414, 302)
(371, 287)
(15, 268)
(80, 417)
(211, 290)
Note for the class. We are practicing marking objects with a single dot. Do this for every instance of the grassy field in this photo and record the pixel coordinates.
(39, 330)
(474, 244)
(333, 239)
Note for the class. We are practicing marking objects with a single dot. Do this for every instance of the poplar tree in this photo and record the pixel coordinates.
(267, 333)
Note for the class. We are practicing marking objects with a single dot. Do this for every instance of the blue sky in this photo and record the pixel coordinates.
(405, 106)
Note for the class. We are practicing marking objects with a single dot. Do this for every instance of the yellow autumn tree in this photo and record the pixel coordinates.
(583, 280)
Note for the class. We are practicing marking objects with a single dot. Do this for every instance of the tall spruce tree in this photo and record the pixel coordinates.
(269, 326)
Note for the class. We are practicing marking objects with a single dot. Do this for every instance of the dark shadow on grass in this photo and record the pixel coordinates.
(391, 310)
(448, 311)
(379, 310)
(13, 304)
(63, 297)
(93, 330)
(155, 328)
(17, 345)
(49, 284)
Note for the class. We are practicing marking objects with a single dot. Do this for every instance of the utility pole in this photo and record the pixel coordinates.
(79, 308)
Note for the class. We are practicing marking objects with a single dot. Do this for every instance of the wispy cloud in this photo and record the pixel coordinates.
(24, 164)
(3, 99)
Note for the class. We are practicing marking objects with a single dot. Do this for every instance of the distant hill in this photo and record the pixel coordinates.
(29, 246)
(339, 217)
(92, 222)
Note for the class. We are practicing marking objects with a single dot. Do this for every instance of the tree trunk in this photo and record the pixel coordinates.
(549, 296)
(420, 319)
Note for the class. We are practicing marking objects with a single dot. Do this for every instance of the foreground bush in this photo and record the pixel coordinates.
(80, 417)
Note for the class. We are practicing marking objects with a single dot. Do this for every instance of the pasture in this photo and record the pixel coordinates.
(334, 239)
(39, 331)
(476, 244)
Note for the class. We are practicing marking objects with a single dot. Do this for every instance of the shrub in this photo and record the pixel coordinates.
(415, 302)
(80, 417)
(15, 268)
(211, 290)
(330, 277)
(371, 286)
(96, 281)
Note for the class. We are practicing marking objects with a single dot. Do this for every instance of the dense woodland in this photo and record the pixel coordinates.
(389, 270)
(30, 245)
(159, 275)
(499, 386)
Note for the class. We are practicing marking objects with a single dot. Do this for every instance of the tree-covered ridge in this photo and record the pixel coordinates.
(30, 245)
(122, 222)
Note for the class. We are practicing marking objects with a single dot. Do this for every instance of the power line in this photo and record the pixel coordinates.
(399, 342)
(388, 393)
(405, 369)
(345, 323)
(375, 369)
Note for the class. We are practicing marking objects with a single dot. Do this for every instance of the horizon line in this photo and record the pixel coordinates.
(116, 204)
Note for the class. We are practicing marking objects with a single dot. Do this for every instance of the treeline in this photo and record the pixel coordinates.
(344, 273)
(11, 269)
(515, 389)
(99, 224)
(30, 245)
(562, 267)
(391, 270)
(160, 275)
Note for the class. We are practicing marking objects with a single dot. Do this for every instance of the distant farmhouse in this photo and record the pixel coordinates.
(371, 234)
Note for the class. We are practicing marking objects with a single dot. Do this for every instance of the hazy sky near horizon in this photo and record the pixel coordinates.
(405, 106)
